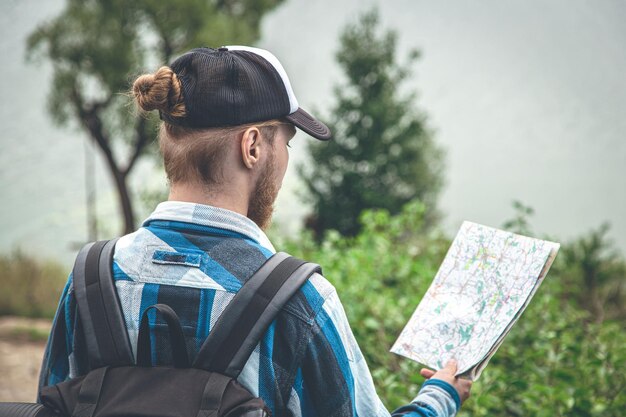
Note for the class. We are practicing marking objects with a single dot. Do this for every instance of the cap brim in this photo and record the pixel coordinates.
(309, 124)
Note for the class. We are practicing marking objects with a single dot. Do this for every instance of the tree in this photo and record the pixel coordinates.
(382, 154)
(520, 223)
(595, 273)
(96, 46)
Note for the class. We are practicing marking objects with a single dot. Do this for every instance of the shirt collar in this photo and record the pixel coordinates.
(202, 214)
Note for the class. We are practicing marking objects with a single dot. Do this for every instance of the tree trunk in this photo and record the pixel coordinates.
(92, 122)
(126, 207)
(124, 200)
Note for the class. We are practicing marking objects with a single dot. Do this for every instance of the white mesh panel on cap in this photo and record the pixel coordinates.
(269, 57)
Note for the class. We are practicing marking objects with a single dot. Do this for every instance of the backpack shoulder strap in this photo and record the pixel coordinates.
(246, 318)
(99, 307)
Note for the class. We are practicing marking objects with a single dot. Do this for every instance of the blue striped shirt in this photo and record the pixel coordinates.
(195, 258)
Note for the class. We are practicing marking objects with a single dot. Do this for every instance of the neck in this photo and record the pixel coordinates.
(231, 199)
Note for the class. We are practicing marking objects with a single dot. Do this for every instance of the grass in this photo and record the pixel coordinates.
(31, 287)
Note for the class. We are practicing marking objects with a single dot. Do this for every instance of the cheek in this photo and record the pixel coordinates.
(284, 162)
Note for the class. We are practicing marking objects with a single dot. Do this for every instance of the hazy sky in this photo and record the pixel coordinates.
(528, 98)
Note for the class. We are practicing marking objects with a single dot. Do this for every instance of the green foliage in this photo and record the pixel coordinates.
(595, 274)
(554, 362)
(382, 154)
(30, 287)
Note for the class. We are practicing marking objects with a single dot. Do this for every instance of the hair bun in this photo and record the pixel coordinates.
(160, 91)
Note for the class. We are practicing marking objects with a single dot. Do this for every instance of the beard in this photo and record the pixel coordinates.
(262, 200)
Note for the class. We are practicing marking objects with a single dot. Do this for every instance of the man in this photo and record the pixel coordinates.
(228, 116)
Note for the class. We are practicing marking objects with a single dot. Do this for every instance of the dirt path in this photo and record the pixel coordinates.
(22, 343)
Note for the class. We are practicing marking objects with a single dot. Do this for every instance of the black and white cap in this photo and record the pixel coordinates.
(235, 85)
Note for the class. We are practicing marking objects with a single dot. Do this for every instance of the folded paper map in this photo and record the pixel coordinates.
(485, 282)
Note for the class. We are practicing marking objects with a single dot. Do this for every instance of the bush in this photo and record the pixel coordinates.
(30, 287)
(554, 362)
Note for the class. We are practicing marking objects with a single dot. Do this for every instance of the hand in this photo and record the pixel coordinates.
(446, 374)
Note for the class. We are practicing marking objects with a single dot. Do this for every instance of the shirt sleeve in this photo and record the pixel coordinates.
(60, 360)
(334, 379)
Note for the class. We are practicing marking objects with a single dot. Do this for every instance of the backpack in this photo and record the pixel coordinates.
(117, 387)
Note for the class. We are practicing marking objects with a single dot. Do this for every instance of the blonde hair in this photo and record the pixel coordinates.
(197, 155)
(193, 155)
(160, 91)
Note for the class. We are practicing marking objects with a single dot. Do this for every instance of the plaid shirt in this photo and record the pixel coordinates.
(307, 364)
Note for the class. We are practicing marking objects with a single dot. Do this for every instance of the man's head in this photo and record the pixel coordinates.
(228, 117)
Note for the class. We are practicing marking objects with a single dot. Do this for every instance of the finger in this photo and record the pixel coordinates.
(450, 367)
(427, 373)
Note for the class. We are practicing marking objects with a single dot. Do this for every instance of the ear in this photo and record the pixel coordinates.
(251, 147)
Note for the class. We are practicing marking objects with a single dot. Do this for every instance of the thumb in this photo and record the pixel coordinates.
(451, 367)
(426, 373)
